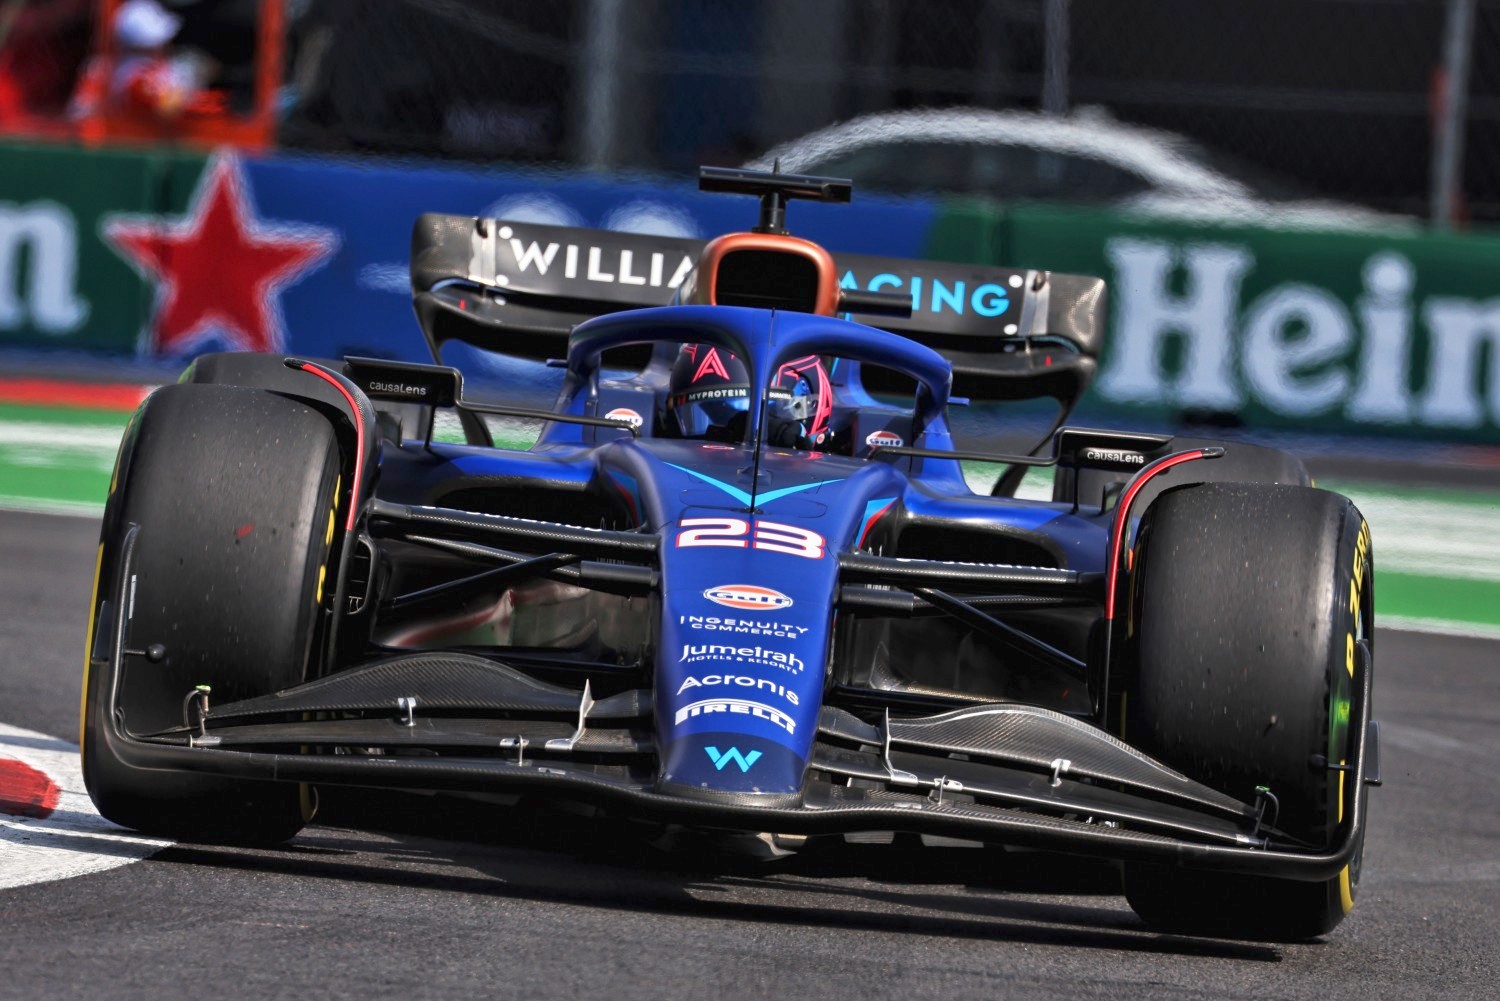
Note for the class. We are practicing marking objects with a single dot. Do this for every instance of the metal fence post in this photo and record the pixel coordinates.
(1448, 155)
(1055, 58)
(600, 67)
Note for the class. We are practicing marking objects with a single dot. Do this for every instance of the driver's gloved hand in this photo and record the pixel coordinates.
(784, 433)
(732, 433)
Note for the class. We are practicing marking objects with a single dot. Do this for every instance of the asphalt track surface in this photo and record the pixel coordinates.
(409, 898)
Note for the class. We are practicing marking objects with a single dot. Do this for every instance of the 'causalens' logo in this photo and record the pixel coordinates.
(745, 761)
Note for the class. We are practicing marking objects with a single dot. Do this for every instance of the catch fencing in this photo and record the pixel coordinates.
(1333, 99)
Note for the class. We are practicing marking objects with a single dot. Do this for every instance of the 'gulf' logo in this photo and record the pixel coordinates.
(889, 439)
(751, 596)
(625, 414)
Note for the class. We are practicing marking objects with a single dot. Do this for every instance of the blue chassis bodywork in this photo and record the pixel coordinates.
(729, 517)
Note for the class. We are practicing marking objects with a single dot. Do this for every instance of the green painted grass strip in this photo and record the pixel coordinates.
(21, 412)
(1423, 597)
(65, 487)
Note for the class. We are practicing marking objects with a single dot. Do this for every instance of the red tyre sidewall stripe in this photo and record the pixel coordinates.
(1122, 520)
(359, 442)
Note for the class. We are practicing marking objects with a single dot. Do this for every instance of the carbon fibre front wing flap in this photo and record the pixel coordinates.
(1007, 773)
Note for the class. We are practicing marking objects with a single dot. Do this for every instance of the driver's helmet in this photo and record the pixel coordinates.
(800, 405)
(708, 397)
(708, 394)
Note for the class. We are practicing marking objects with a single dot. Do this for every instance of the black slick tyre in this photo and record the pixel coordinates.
(1250, 621)
(233, 490)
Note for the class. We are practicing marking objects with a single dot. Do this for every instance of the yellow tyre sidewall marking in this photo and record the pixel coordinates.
(88, 651)
(1356, 594)
(307, 796)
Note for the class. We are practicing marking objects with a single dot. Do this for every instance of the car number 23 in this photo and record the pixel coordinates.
(737, 533)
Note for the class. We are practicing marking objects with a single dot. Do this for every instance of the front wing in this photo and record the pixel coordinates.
(1004, 773)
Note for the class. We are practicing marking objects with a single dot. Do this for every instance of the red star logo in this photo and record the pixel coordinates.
(218, 269)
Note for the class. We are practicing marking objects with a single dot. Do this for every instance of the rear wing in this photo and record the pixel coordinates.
(519, 288)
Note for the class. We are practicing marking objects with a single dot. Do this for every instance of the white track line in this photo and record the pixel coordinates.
(1441, 627)
(37, 505)
(74, 840)
(1432, 537)
(49, 445)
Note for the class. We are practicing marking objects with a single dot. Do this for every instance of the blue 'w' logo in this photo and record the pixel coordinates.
(733, 754)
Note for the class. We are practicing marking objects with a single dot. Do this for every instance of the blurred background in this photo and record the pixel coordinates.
(1293, 200)
(1342, 99)
(1389, 104)
(1296, 203)
(1171, 144)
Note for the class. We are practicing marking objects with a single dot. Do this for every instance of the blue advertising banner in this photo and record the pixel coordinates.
(155, 256)
(358, 300)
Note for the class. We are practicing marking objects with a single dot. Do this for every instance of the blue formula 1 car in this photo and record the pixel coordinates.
(740, 581)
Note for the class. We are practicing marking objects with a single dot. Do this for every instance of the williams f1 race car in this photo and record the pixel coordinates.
(739, 582)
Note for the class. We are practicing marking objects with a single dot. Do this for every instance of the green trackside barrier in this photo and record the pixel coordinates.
(60, 285)
(968, 230)
(1394, 333)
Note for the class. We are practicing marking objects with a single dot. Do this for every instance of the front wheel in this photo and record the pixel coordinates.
(234, 492)
(1251, 622)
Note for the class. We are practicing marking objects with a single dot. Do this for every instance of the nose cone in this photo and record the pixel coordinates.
(747, 601)
(738, 690)
(715, 763)
(748, 585)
